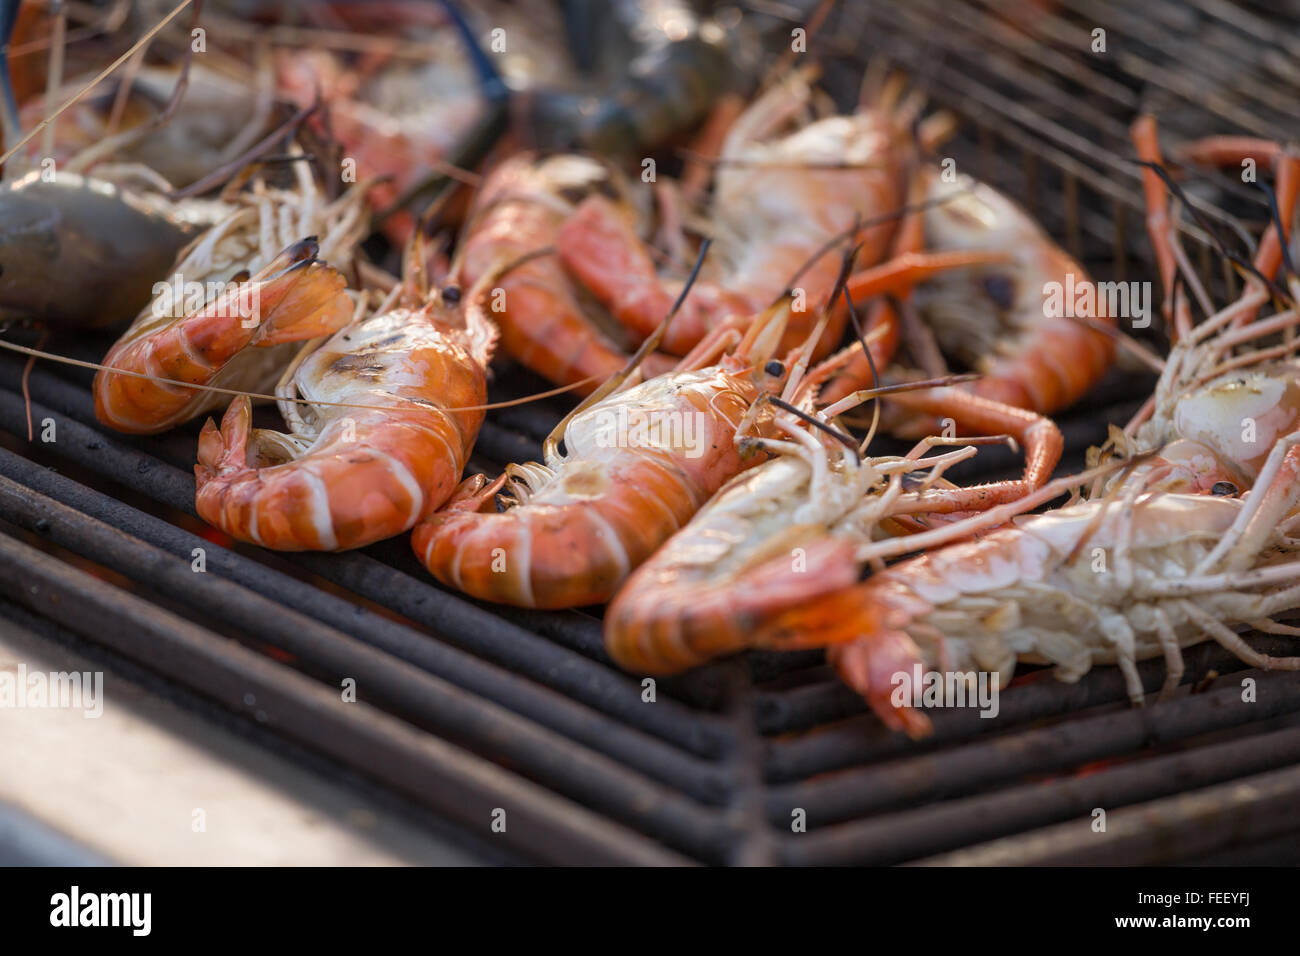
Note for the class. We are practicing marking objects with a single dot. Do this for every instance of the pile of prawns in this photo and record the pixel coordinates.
(726, 296)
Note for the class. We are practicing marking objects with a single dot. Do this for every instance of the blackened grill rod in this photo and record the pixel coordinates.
(437, 774)
(864, 739)
(1052, 749)
(897, 837)
(408, 692)
(458, 621)
(1162, 831)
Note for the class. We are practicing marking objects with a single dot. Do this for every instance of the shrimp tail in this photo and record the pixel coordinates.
(871, 666)
(224, 449)
(474, 494)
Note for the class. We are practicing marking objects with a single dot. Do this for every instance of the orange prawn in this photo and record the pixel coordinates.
(393, 403)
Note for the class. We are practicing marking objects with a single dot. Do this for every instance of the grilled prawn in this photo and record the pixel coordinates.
(782, 200)
(1034, 592)
(545, 323)
(994, 318)
(783, 535)
(588, 516)
(392, 405)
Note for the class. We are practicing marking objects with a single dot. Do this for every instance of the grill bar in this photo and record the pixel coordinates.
(412, 694)
(460, 622)
(864, 739)
(1181, 827)
(904, 836)
(449, 780)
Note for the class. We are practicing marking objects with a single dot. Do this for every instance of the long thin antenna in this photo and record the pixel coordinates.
(217, 389)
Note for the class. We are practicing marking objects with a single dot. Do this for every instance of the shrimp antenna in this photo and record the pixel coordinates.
(848, 441)
(649, 345)
(856, 322)
(1287, 261)
(1208, 227)
(36, 353)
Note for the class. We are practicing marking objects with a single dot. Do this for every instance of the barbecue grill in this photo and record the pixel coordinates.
(465, 709)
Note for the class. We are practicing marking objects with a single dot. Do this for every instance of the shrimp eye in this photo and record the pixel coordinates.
(451, 294)
(774, 368)
(1224, 489)
(1001, 290)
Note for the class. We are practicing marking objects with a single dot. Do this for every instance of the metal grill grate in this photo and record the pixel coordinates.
(465, 707)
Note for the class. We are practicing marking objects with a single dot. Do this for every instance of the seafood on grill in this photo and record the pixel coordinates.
(381, 418)
(995, 319)
(546, 324)
(635, 465)
(756, 550)
(783, 199)
(1228, 397)
(1098, 582)
(264, 278)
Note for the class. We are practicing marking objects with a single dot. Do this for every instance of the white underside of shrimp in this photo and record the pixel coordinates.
(1101, 582)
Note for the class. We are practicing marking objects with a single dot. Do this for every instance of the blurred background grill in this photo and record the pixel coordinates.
(465, 708)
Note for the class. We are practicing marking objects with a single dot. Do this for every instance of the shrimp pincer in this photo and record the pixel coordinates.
(581, 522)
(346, 476)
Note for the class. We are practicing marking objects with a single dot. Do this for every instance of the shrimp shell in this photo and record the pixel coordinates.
(346, 477)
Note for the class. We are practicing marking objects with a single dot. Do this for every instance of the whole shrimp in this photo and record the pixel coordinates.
(581, 522)
(1033, 592)
(393, 403)
(995, 319)
(780, 205)
(212, 339)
